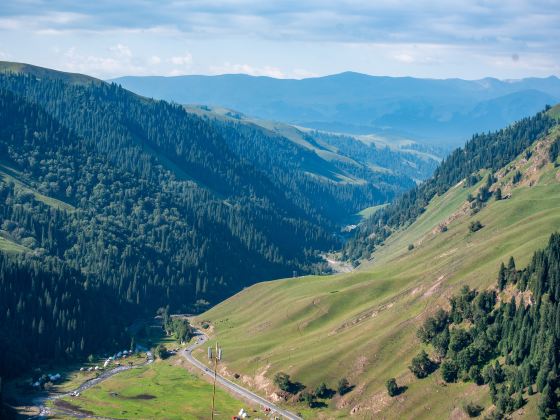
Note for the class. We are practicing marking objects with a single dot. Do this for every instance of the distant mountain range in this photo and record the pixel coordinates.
(441, 112)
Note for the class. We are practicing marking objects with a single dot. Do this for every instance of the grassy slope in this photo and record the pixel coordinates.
(11, 247)
(9, 174)
(369, 211)
(362, 325)
(41, 72)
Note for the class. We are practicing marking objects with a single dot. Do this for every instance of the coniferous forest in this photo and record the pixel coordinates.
(483, 151)
(119, 205)
(507, 338)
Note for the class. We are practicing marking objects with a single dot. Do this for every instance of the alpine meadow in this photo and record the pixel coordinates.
(282, 210)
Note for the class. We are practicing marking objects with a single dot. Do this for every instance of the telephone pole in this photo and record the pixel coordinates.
(215, 357)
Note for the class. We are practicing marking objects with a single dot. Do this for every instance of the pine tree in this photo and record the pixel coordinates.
(502, 279)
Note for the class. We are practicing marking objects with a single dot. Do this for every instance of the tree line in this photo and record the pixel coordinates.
(510, 344)
(483, 151)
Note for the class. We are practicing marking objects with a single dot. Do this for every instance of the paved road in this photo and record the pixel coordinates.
(200, 340)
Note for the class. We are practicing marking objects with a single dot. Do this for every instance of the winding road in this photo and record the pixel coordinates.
(201, 338)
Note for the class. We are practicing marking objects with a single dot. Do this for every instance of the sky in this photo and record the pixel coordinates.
(469, 39)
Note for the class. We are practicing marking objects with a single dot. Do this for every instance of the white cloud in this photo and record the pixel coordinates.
(181, 60)
(289, 38)
(404, 58)
(119, 60)
(229, 68)
(303, 74)
(121, 50)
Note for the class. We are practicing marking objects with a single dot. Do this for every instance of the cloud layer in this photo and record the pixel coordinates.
(286, 38)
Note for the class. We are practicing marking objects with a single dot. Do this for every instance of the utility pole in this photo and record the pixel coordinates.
(216, 357)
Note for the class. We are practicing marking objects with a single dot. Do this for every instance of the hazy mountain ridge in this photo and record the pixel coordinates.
(344, 158)
(427, 110)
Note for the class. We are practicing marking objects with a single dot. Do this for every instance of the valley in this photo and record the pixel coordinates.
(311, 257)
(362, 325)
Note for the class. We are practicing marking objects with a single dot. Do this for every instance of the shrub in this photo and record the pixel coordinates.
(308, 398)
(321, 390)
(392, 387)
(343, 386)
(282, 381)
(161, 351)
(432, 326)
(472, 410)
(421, 365)
(449, 371)
(475, 375)
(475, 226)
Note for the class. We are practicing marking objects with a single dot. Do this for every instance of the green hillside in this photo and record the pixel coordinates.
(362, 325)
(41, 72)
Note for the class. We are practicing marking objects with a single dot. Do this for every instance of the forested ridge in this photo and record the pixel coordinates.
(506, 337)
(484, 151)
(414, 160)
(298, 169)
(135, 204)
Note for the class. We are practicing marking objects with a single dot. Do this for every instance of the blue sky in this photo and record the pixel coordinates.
(289, 39)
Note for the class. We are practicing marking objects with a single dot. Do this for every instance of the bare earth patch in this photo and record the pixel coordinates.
(65, 405)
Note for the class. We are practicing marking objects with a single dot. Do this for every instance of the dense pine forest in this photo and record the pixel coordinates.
(507, 338)
(484, 151)
(135, 204)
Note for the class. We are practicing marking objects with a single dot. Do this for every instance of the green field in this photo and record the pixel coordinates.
(367, 212)
(362, 325)
(11, 247)
(163, 389)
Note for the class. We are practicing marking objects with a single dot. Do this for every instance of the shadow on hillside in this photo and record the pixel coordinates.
(401, 390)
(318, 404)
(295, 387)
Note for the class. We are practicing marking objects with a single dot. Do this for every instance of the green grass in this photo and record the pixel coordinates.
(41, 72)
(160, 390)
(9, 174)
(362, 325)
(11, 247)
(554, 112)
(367, 212)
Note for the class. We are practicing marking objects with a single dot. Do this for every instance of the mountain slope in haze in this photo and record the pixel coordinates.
(151, 204)
(363, 325)
(430, 111)
(341, 158)
(484, 151)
